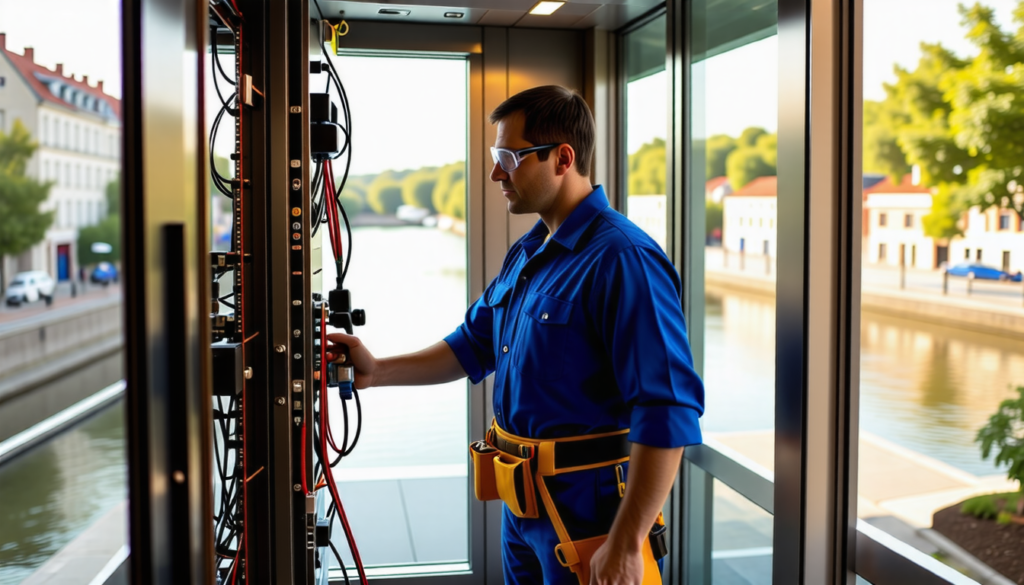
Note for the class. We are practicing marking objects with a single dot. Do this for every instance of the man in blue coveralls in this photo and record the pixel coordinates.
(584, 331)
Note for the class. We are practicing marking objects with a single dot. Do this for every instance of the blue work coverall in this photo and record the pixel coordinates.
(585, 334)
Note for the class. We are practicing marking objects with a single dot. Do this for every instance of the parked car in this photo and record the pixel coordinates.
(978, 270)
(27, 287)
(104, 273)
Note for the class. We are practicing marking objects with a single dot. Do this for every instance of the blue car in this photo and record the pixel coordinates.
(978, 270)
(104, 273)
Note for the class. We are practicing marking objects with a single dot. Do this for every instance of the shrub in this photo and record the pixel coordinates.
(1005, 432)
(456, 204)
(983, 507)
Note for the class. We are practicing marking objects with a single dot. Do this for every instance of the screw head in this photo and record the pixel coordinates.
(297, 487)
(280, 348)
(281, 401)
(248, 373)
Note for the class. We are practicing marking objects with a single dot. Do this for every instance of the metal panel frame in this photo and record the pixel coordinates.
(164, 168)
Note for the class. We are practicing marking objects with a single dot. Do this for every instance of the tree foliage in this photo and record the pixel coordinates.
(647, 169)
(943, 223)
(712, 217)
(717, 149)
(353, 197)
(384, 194)
(418, 188)
(1004, 432)
(22, 224)
(456, 202)
(447, 176)
(112, 193)
(107, 231)
(959, 119)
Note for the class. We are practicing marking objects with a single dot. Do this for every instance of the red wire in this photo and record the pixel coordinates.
(331, 217)
(332, 191)
(333, 487)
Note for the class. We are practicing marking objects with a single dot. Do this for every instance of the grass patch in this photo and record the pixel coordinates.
(992, 506)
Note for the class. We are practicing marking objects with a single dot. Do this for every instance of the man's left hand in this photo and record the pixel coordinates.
(611, 565)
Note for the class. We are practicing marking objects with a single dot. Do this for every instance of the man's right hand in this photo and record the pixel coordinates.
(365, 364)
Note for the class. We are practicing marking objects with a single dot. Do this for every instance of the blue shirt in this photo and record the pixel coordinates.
(585, 334)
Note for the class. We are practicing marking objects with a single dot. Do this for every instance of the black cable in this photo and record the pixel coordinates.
(341, 563)
(213, 37)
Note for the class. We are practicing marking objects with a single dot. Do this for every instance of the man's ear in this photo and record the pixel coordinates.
(565, 156)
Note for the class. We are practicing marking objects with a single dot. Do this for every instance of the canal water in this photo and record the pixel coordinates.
(925, 387)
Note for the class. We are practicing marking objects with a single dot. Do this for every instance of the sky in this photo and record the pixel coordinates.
(741, 86)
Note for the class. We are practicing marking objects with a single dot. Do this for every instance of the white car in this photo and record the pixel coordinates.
(30, 286)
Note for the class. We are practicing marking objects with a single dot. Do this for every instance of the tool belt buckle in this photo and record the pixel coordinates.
(526, 451)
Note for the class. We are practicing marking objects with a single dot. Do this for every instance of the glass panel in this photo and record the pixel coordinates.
(734, 74)
(406, 199)
(62, 496)
(741, 537)
(937, 356)
(646, 128)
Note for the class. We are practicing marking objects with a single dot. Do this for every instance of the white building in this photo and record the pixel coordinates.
(893, 226)
(994, 237)
(749, 218)
(78, 129)
(715, 189)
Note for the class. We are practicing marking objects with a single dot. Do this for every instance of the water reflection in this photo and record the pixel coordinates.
(923, 386)
(53, 492)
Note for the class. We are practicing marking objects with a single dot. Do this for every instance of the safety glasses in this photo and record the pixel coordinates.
(511, 159)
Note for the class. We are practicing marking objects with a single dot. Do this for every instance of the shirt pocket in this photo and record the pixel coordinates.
(540, 344)
(497, 300)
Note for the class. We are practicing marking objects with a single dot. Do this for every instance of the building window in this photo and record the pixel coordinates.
(3, 121)
(908, 220)
(1006, 260)
(882, 251)
(3, 81)
(967, 253)
(1004, 221)
(882, 220)
(977, 255)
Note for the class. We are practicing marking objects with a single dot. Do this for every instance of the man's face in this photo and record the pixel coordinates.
(531, 188)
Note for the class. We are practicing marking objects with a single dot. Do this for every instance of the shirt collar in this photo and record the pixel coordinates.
(569, 233)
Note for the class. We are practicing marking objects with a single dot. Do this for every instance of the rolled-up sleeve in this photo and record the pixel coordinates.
(638, 312)
(472, 342)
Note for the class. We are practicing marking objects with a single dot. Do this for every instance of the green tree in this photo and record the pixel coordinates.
(353, 198)
(718, 149)
(112, 193)
(447, 176)
(882, 152)
(384, 194)
(22, 224)
(712, 217)
(107, 231)
(418, 188)
(1005, 433)
(456, 203)
(746, 164)
(960, 119)
(943, 221)
(647, 169)
(749, 137)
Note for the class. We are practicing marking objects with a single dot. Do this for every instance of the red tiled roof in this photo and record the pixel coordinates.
(715, 183)
(886, 186)
(28, 69)
(759, 187)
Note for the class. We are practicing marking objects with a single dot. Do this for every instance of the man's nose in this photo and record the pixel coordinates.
(498, 174)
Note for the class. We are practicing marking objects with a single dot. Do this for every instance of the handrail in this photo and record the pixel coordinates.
(882, 558)
(740, 473)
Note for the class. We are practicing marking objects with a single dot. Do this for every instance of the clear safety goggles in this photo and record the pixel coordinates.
(511, 159)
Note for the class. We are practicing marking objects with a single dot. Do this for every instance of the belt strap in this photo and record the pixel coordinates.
(570, 452)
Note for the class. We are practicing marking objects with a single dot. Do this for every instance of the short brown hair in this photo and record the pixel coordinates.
(554, 115)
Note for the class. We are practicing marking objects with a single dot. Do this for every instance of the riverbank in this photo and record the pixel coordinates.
(970, 314)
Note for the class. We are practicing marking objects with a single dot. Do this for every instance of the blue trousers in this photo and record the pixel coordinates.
(587, 502)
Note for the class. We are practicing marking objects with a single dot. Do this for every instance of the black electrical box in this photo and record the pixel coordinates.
(228, 370)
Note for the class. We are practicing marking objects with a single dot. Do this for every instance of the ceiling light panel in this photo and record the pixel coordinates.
(545, 8)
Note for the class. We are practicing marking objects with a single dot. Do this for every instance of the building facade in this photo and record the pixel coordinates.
(748, 218)
(994, 236)
(894, 233)
(78, 129)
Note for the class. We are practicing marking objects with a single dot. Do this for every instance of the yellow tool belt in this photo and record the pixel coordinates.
(513, 468)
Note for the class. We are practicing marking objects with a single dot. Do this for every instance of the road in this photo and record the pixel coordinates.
(61, 299)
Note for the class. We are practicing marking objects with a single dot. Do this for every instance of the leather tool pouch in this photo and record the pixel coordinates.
(483, 471)
(577, 559)
(513, 477)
